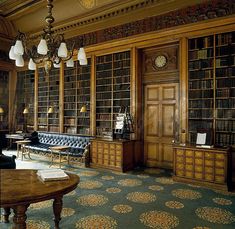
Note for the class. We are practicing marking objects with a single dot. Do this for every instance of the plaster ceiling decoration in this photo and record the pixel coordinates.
(88, 4)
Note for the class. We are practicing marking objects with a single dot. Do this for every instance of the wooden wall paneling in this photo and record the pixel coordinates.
(61, 98)
(93, 97)
(36, 100)
(183, 69)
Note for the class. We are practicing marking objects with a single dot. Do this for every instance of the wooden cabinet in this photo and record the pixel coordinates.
(210, 167)
(112, 154)
(112, 89)
(211, 87)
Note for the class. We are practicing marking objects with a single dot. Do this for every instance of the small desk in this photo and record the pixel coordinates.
(18, 192)
(20, 146)
(59, 150)
(12, 137)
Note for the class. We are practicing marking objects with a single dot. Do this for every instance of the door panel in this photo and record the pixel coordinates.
(160, 118)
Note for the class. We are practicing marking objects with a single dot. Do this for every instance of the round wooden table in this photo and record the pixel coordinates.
(19, 188)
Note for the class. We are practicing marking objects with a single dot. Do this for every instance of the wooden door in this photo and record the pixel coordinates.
(160, 123)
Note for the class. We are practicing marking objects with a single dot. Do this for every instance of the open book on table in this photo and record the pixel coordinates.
(52, 174)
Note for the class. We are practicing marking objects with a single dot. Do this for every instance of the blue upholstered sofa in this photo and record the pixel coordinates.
(79, 145)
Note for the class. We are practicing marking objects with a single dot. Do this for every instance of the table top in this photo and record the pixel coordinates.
(22, 186)
(23, 141)
(15, 136)
(59, 147)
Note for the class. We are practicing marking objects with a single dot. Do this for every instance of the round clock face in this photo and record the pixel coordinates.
(160, 61)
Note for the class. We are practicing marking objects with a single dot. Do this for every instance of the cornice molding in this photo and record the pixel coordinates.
(193, 14)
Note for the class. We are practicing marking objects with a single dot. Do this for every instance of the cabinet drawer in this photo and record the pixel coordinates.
(106, 151)
(179, 159)
(112, 163)
(106, 156)
(209, 170)
(189, 174)
(118, 163)
(179, 166)
(118, 153)
(209, 162)
(189, 167)
(219, 179)
(198, 168)
(119, 147)
(118, 158)
(100, 145)
(209, 155)
(189, 153)
(112, 152)
(220, 156)
(198, 154)
(112, 146)
(219, 163)
(106, 162)
(106, 146)
(198, 162)
(179, 152)
(189, 160)
(219, 171)
(198, 175)
(209, 177)
(112, 158)
(179, 173)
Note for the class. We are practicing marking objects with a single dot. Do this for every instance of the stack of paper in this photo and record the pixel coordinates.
(52, 174)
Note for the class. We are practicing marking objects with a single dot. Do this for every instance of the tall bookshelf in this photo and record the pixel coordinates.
(70, 99)
(20, 102)
(4, 96)
(112, 89)
(29, 99)
(43, 93)
(83, 97)
(211, 83)
(53, 100)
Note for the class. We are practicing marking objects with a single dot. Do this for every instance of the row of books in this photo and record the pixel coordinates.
(225, 103)
(225, 113)
(100, 103)
(84, 121)
(221, 83)
(225, 125)
(122, 63)
(201, 94)
(201, 64)
(104, 95)
(201, 84)
(101, 88)
(103, 116)
(206, 113)
(84, 76)
(201, 54)
(195, 125)
(200, 103)
(222, 139)
(104, 74)
(103, 81)
(121, 72)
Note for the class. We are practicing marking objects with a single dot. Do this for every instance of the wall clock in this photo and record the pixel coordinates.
(160, 61)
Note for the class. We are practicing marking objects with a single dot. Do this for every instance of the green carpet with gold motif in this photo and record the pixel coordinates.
(147, 198)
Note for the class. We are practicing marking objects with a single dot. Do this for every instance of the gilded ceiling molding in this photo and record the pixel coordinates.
(205, 11)
(88, 4)
(116, 12)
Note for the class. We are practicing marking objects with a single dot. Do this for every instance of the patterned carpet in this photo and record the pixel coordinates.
(145, 198)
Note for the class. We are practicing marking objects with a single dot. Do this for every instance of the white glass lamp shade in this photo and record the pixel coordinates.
(56, 65)
(18, 48)
(12, 54)
(70, 63)
(42, 47)
(83, 62)
(1, 110)
(19, 61)
(50, 110)
(31, 65)
(63, 51)
(81, 54)
(26, 110)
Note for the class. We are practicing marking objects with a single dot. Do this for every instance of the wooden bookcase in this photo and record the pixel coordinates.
(76, 94)
(70, 98)
(43, 93)
(53, 100)
(200, 166)
(112, 89)
(83, 97)
(29, 99)
(211, 87)
(4, 96)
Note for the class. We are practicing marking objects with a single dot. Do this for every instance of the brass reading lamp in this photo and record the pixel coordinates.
(25, 113)
(50, 110)
(1, 114)
(83, 109)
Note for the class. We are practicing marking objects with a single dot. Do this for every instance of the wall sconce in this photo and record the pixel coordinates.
(1, 110)
(50, 110)
(83, 109)
(26, 110)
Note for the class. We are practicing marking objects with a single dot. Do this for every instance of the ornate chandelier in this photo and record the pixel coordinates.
(51, 49)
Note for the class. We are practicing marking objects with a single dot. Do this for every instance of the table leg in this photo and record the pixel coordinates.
(20, 217)
(5, 213)
(18, 150)
(51, 159)
(57, 208)
(60, 158)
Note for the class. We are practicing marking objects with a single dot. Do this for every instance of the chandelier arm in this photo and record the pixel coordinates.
(70, 53)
